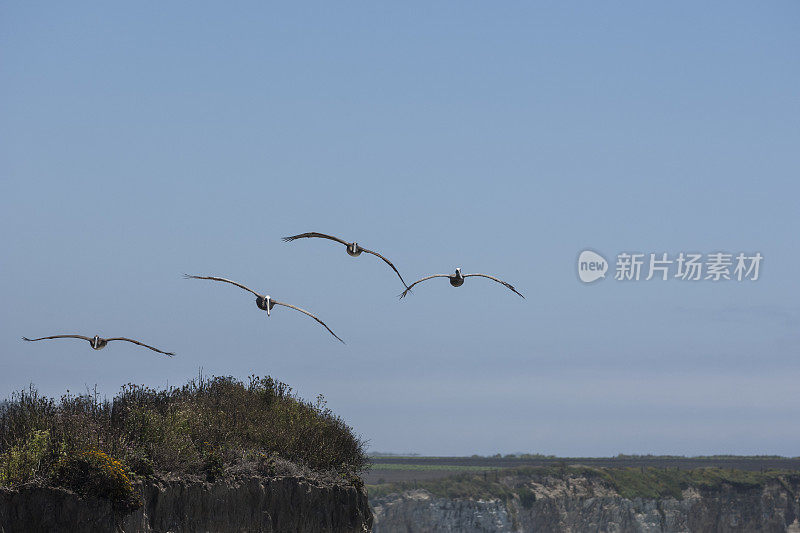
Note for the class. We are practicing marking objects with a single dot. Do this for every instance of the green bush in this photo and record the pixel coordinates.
(27, 460)
(95, 473)
(526, 497)
(213, 464)
(204, 428)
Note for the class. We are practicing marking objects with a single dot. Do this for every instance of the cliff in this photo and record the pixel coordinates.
(244, 504)
(590, 502)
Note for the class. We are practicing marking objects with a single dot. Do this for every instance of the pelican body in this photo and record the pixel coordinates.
(354, 250)
(457, 280)
(265, 302)
(98, 343)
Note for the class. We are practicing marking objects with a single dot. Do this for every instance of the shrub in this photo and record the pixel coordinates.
(213, 465)
(96, 473)
(526, 497)
(27, 460)
(205, 427)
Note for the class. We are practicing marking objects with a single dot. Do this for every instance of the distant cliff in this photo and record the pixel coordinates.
(594, 500)
(252, 504)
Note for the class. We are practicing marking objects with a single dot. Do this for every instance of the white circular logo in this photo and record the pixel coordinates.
(591, 266)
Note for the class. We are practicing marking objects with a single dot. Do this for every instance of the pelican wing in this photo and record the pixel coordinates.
(510, 286)
(140, 344)
(59, 337)
(312, 316)
(408, 288)
(187, 276)
(314, 234)
(388, 263)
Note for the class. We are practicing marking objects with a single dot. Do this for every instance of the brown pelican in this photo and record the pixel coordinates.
(457, 280)
(265, 302)
(98, 343)
(353, 248)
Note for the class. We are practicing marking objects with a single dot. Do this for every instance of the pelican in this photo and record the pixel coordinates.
(457, 280)
(98, 343)
(353, 249)
(265, 302)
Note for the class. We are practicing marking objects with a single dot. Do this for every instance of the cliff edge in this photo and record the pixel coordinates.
(587, 500)
(244, 504)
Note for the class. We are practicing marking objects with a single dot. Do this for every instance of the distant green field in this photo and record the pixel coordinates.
(415, 468)
(411, 466)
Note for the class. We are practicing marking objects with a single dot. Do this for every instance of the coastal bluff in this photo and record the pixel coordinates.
(576, 502)
(242, 504)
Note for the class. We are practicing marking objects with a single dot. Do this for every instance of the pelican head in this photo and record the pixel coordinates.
(98, 343)
(457, 279)
(265, 304)
(353, 249)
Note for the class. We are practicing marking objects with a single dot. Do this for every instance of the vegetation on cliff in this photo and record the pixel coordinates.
(208, 427)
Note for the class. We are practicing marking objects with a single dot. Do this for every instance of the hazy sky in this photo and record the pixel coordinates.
(141, 141)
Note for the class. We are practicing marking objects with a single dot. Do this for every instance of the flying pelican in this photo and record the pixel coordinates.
(457, 280)
(353, 248)
(98, 343)
(265, 302)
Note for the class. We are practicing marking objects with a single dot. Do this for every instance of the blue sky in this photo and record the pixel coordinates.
(142, 141)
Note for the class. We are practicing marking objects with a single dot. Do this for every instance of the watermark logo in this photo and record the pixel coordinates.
(684, 266)
(591, 266)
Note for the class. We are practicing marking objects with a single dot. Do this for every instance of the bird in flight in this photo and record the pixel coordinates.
(98, 343)
(266, 302)
(457, 280)
(353, 248)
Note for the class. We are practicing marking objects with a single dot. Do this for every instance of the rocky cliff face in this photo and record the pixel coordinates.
(579, 504)
(246, 504)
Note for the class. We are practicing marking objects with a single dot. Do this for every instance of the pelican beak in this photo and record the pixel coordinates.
(268, 306)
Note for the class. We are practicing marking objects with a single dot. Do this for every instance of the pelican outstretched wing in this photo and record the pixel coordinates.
(388, 263)
(59, 337)
(140, 344)
(312, 316)
(314, 234)
(187, 276)
(408, 288)
(508, 285)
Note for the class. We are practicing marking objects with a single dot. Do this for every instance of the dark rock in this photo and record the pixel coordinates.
(243, 504)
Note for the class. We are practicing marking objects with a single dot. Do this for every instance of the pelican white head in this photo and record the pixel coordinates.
(97, 343)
